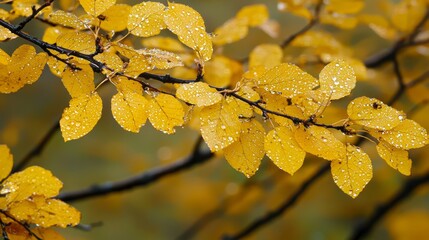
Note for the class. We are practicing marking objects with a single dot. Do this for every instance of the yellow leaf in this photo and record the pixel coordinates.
(45, 212)
(129, 105)
(24, 7)
(6, 162)
(199, 93)
(407, 14)
(137, 65)
(345, 6)
(220, 125)
(373, 113)
(165, 113)
(66, 19)
(321, 142)
(268, 55)
(6, 34)
(160, 59)
(283, 150)
(78, 41)
(4, 57)
(25, 67)
(111, 60)
(244, 110)
(395, 157)
(282, 105)
(146, 19)
(317, 40)
(352, 172)
(406, 135)
(96, 7)
(81, 116)
(379, 25)
(30, 182)
(255, 15)
(116, 18)
(218, 71)
(246, 153)
(56, 67)
(287, 79)
(79, 82)
(189, 26)
(48, 233)
(231, 31)
(337, 79)
(164, 43)
(298, 8)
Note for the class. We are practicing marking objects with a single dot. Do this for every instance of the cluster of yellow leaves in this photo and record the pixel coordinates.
(27, 197)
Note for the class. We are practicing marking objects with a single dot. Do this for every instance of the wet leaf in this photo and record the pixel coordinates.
(287, 80)
(146, 19)
(66, 19)
(353, 172)
(268, 55)
(283, 150)
(199, 93)
(79, 82)
(337, 79)
(165, 113)
(116, 18)
(395, 157)
(129, 105)
(30, 182)
(220, 125)
(78, 41)
(96, 7)
(373, 113)
(164, 43)
(255, 15)
(246, 153)
(231, 31)
(189, 26)
(321, 142)
(81, 116)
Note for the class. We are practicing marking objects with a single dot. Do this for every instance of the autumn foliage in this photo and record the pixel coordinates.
(169, 70)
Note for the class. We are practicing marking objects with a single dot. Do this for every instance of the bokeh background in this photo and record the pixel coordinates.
(165, 209)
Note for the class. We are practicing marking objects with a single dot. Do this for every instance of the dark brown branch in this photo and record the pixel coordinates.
(400, 80)
(277, 212)
(407, 189)
(22, 24)
(37, 150)
(197, 157)
(314, 20)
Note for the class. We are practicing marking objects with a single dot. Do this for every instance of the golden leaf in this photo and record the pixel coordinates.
(199, 93)
(287, 79)
(6, 162)
(79, 82)
(373, 113)
(407, 14)
(321, 142)
(96, 7)
(245, 154)
(353, 172)
(30, 182)
(218, 71)
(231, 31)
(189, 26)
(45, 212)
(25, 67)
(337, 79)
(146, 19)
(66, 19)
(160, 59)
(395, 157)
(81, 116)
(78, 41)
(164, 43)
(255, 15)
(111, 60)
(268, 55)
(165, 113)
(283, 150)
(116, 18)
(406, 135)
(220, 125)
(129, 105)
(345, 6)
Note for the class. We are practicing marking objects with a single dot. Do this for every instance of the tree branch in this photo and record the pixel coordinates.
(407, 189)
(198, 156)
(37, 150)
(277, 212)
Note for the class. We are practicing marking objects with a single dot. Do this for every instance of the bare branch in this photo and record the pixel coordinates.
(37, 150)
(198, 156)
(407, 189)
(277, 212)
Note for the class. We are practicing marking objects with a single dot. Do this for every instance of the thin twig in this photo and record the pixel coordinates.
(407, 189)
(277, 212)
(198, 156)
(37, 150)
(35, 11)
